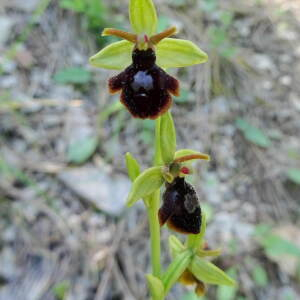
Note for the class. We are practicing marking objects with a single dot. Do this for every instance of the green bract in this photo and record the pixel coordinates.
(167, 138)
(176, 268)
(175, 246)
(145, 184)
(133, 166)
(170, 53)
(156, 287)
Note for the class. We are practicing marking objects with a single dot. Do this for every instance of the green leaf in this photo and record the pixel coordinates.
(226, 18)
(207, 272)
(227, 292)
(156, 287)
(167, 138)
(133, 166)
(74, 5)
(176, 268)
(143, 18)
(294, 175)
(253, 134)
(74, 75)
(145, 184)
(262, 230)
(275, 245)
(116, 56)
(81, 150)
(111, 109)
(60, 289)
(176, 53)
(260, 276)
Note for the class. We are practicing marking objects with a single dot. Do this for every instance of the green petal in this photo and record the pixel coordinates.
(143, 16)
(116, 56)
(145, 184)
(176, 53)
(207, 272)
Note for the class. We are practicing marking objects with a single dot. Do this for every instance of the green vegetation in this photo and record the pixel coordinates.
(93, 11)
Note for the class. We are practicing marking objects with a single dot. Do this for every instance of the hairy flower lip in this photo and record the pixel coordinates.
(181, 209)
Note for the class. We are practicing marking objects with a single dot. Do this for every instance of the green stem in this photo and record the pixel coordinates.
(153, 212)
(155, 234)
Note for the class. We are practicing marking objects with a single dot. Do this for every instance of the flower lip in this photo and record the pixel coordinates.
(180, 210)
(145, 88)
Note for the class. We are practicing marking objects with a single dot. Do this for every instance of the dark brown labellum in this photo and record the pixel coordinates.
(180, 210)
(145, 87)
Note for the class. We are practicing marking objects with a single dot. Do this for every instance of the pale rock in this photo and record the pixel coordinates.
(104, 191)
(6, 24)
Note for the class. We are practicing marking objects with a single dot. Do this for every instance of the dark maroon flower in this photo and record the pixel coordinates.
(145, 87)
(180, 210)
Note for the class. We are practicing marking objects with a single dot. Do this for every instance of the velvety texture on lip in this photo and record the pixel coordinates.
(181, 209)
(145, 87)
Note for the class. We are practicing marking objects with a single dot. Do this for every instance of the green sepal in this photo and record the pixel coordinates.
(167, 138)
(133, 166)
(175, 246)
(116, 56)
(187, 152)
(207, 272)
(156, 287)
(145, 184)
(195, 241)
(143, 17)
(176, 53)
(176, 268)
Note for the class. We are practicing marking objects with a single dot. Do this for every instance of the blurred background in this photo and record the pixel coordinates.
(64, 231)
